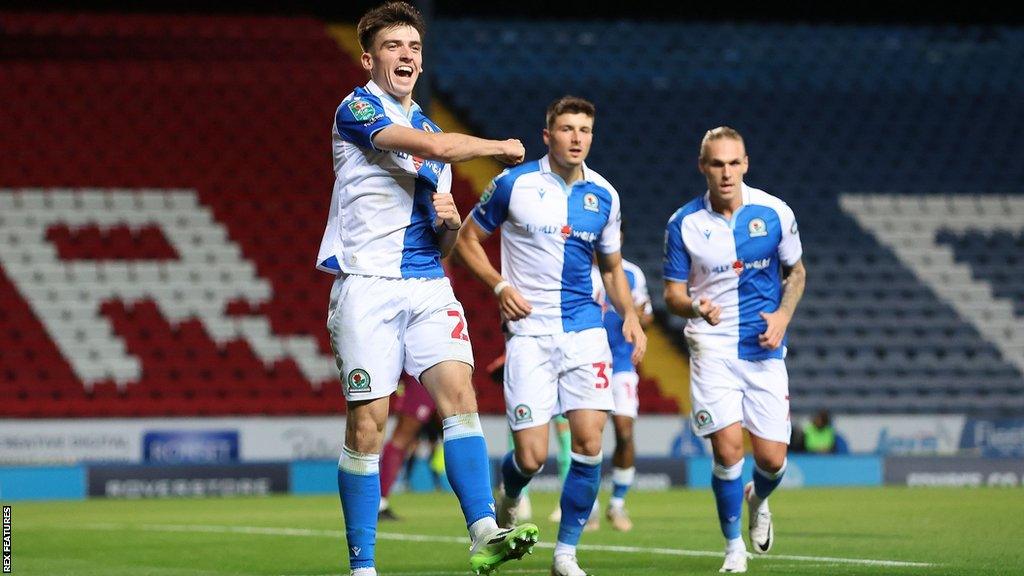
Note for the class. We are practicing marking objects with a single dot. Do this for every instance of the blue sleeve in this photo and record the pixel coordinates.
(360, 118)
(492, 209)
(677, 259)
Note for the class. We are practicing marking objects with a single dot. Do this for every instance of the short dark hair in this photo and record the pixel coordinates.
(388, 15)
(569, 105)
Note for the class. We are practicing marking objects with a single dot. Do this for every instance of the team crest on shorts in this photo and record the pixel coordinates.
(590, 202)
(703, 419)
(522, 413)
(361, 109)
(757, 228)
(358, 381)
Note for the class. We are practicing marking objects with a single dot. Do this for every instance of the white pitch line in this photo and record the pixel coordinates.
(266, 531)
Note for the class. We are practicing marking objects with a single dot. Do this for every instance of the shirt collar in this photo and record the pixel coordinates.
(744, 195)
(545, 168)
(385, 97)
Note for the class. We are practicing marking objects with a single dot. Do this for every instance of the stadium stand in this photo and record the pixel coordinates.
(920, 118)
(163, 192)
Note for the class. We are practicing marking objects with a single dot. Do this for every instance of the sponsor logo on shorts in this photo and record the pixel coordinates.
(703, 419)
(757, 228)
(522, 413)
(358, 381)
(590, 203)
(361, 109)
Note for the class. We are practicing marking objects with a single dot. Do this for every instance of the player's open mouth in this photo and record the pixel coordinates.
(404, 71)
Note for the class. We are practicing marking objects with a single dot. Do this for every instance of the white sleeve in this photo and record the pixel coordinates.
(444, 181)
(611, 236)
(641, 297)
(790, 249)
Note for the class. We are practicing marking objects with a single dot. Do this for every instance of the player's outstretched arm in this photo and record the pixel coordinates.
(622, 298)
(679, 303)
(470, 252)
(795, 278)
(447, 147)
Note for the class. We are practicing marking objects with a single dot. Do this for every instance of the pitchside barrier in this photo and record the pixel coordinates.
(320, 476)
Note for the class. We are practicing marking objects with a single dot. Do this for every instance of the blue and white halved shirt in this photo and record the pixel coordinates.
(736, 263)
(622, 350)
(382, 220)
(549, 233)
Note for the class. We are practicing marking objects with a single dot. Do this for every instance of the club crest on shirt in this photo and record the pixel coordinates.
(358, 381)
(703, 419)
(361, 109)
(757, 228)
(590, 202)
(522, 413)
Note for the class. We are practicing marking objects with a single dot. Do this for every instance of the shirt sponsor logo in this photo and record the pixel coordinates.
(757, 264)
(584, 235)
(565, 230)
(738, 266)
(361, 109)
(757, 228)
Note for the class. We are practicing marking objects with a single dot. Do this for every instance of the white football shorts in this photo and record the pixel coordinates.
(627, 401)
(553, 374)
(728, 390)
(382, 326)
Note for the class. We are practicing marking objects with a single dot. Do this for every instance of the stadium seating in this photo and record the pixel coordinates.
(897, 148)
(889, 142)
(163, 193)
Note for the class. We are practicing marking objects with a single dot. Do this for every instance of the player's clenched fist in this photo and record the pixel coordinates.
(512, 152)
(447, 213)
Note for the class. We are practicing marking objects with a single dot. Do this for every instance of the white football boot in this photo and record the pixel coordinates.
(566, 565)
(761, 531)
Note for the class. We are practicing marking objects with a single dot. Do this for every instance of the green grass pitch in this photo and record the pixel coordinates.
(874, 531)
